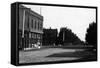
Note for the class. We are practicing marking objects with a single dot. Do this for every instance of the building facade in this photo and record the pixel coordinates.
(30, 27)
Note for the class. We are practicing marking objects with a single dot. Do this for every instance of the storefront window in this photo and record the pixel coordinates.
(32, 35)
(29, 35)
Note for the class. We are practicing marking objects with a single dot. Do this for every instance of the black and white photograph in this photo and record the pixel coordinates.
(49, 33)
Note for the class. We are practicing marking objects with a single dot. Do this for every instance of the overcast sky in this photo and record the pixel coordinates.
(76, 19)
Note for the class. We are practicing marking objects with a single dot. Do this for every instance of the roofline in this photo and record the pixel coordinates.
(35, 13)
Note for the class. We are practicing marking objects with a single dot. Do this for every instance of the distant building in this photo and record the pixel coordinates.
(49, 36)
(30, 27)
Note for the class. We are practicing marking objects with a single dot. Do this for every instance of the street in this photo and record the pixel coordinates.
(43, 55)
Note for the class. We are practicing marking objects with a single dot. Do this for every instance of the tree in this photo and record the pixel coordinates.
(49, 36)
(66, 36)
(91, 35)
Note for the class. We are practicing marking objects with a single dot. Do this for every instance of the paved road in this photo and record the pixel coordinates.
(40, 55)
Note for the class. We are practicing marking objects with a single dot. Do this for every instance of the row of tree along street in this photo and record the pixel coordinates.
(91, 35)
(67, 37)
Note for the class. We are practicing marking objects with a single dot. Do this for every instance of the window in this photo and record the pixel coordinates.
(32, 23)
(35, 24)
(38, 36)
(28, 22)
(39, 25)
(34, 35)
(29, 35)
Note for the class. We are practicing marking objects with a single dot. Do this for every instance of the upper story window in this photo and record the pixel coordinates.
(35, 24)
(40, 25)
(28, 22)
(32, 23)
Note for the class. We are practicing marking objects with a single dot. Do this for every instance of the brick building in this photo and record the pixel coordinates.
(30, 27)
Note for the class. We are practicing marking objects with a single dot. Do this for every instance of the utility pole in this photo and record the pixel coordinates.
(40, 10)
(29, 34)
(23, 29)
(23, 24)
(63, 36)
(40, 14)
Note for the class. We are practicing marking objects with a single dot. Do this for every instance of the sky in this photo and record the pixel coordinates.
(76, 19)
